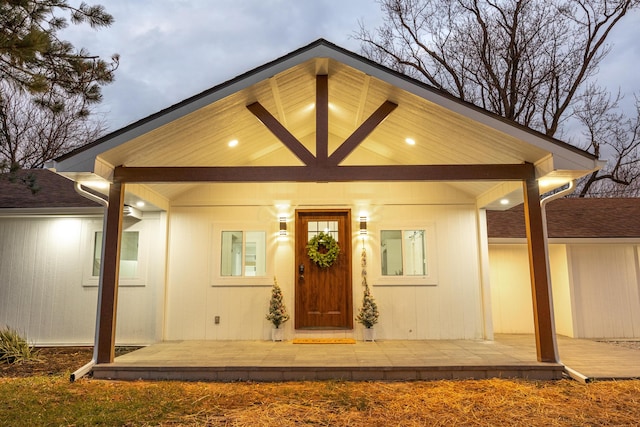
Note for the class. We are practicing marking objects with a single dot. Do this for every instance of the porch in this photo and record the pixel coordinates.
(509, 356)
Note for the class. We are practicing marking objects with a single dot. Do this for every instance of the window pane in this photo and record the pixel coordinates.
(128, 254)
(415, 261)
(231, 253)
(97, 253)
(327, 227)
(255, 255)
(391, 250)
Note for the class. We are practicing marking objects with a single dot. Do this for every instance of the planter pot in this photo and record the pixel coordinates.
(369, 334)
(277, 334)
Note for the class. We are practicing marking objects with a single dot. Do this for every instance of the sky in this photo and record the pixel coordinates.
(173, 49)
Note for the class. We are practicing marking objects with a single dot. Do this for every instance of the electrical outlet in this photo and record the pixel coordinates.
(216, 320)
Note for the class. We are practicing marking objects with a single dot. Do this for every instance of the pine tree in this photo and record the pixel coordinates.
(33, 58)
(368, 315)
(277, 310)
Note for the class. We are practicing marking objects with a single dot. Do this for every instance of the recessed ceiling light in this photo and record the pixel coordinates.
(233, 143)
(504, 202)
(410, 141)
(140, 203)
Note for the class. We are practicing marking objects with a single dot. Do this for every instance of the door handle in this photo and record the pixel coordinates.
(301, 272)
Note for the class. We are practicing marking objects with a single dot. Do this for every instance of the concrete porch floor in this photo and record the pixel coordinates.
(508, 356)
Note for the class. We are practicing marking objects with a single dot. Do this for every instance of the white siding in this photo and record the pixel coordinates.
(605, 290)
(451, 309)
(595, 289)
(511, 289)
(44, 265)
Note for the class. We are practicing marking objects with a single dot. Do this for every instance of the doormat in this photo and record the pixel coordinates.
(324, 341)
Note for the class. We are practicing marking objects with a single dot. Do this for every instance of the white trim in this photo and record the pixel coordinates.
(216, 279)
(51, 212)
(430, 279)
(88, 245)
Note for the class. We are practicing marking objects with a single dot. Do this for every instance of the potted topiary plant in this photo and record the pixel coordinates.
(368, 314)
(277, 312)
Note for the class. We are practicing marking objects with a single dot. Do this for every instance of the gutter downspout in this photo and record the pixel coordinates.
(543, 204)
(89, 366)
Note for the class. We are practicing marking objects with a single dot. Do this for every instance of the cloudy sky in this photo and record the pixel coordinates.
(172, 49)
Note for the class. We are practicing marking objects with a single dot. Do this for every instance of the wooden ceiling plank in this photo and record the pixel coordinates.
(362, 132)
(322, 119)
(476, 172)
(280, 132)
(363, 99)
(275, 91)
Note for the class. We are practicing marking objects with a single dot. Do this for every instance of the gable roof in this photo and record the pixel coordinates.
(55, 192)
(447, 131)
(574, 218)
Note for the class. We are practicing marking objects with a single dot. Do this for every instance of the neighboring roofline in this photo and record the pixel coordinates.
(300, 54)
(566, 240)
(50, 212)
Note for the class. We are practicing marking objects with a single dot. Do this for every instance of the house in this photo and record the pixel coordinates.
(236, 181)
(593, 256)
(48, 256)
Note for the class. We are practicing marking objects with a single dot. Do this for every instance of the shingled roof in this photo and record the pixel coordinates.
(55, 192)
(574, 218)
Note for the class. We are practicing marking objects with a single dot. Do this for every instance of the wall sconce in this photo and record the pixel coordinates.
(283, 225)
(363, 225)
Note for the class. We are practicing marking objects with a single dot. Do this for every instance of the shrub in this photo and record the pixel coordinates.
(14, 348)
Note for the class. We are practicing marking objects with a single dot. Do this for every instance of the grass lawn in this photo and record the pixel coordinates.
(53, 400)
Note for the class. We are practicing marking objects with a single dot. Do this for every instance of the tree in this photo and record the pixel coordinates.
(47, 86)
(525, 60)
(609, 133)
(30, 134)
(34, 58)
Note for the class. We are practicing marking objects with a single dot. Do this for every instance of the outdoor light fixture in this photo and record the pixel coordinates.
(363, 225)
(283, 225)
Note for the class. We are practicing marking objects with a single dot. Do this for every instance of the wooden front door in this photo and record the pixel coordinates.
(323, 294)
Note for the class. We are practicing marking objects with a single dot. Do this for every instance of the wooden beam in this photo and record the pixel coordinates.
(512, 172)
(109, 274)
(322, 120)
(362, 132)
(280, 132)
(546, 346)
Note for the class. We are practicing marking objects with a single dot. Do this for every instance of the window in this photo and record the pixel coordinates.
(403, 253)
(128, 254)
(328, 227)
(243, 254)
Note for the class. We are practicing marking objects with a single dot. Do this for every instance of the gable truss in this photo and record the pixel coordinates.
(324, 167)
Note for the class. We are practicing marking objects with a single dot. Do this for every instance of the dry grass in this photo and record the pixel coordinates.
(54, 401)
(39, 393)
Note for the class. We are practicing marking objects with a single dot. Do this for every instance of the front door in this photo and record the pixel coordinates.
(323, 294)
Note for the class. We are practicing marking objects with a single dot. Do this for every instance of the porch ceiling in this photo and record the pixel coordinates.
(201, 138)
(197, 132)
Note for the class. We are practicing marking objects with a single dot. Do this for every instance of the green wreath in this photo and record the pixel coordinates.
(323, 259)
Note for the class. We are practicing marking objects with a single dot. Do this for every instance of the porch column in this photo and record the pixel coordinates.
(109, 274)
(546, 347)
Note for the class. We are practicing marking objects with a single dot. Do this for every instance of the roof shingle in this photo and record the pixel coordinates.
(574, 218)
(55, 192)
